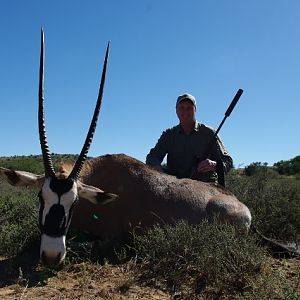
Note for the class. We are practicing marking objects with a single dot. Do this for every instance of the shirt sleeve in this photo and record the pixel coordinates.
(157, 154)
(220, 153)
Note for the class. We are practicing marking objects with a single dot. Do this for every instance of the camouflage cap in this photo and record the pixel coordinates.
(186, 97)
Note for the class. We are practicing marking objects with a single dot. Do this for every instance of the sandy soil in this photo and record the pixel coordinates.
(24, 278)
(80, 281)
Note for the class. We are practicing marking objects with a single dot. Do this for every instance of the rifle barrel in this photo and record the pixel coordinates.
(234, 102)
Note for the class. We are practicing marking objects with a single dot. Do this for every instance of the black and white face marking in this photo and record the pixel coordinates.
(57, 199)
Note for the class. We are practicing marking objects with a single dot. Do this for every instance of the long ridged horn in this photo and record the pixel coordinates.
(49, 170)
(83, 154)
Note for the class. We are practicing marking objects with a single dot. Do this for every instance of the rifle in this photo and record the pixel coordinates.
(220, 170)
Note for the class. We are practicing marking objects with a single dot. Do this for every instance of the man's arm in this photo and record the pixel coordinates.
(219, 161)
(221, 154)
(157, 154)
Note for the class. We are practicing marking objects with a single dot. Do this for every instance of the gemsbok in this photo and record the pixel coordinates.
(135, 194)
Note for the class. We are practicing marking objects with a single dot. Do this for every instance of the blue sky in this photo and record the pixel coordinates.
(159, 49)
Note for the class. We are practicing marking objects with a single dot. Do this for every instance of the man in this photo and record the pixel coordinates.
(186, 143)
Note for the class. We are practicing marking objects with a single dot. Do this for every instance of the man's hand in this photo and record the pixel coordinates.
(207, 166)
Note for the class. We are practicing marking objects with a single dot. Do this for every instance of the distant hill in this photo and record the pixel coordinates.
(34, 163)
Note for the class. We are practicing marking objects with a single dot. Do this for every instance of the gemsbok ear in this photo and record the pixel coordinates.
(94, 194)
(22, 178)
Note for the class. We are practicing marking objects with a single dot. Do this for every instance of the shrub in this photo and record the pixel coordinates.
(274, 203)
(33, 164)
(209, 261)
(289, 167)
(18, 219)
(211, 255)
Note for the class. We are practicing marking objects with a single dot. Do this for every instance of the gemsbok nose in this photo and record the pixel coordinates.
(52, 251)
(52, 261)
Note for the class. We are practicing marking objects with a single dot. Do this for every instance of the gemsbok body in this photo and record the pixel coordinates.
(147, 197)
(135, 196)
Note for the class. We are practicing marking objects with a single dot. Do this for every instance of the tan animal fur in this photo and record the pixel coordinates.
(147, 197)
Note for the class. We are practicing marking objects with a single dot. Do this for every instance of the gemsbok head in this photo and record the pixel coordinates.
(59, 194)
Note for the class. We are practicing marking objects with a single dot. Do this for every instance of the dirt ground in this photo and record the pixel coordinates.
(24, 278)
(78, 281)
(70, 286)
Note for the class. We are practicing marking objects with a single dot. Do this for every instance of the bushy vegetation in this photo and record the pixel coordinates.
(34, 163)
(211, 255)
(18, 219)
(274, 201)
(209, 261)
(289, 167)
(258, 167)
(284, 167)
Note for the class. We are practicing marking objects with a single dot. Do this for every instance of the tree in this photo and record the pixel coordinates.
(255, 168)
(288, 167)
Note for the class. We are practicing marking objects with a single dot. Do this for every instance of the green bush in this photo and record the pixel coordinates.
(33, 164)
(255, 167)
(18, 219)
(207, 260)
(274, 203)
(289, 167)
(217, 254)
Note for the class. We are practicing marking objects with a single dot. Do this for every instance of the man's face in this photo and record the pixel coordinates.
(186, 111)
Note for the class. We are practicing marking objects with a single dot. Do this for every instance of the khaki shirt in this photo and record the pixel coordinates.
(183, 151)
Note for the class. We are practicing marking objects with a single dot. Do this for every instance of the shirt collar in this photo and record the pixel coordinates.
(196, 127)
